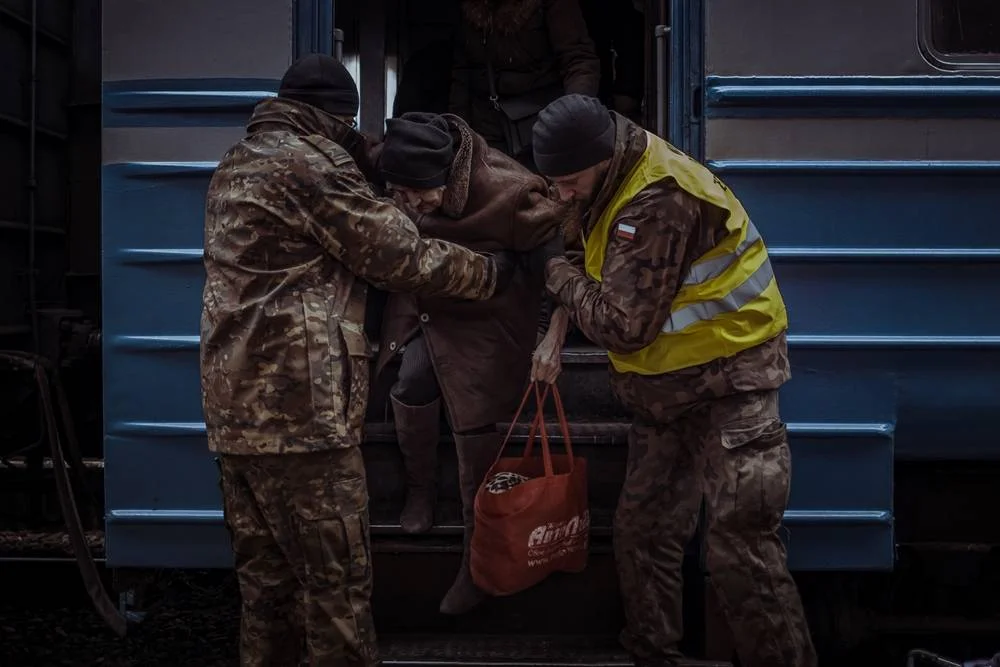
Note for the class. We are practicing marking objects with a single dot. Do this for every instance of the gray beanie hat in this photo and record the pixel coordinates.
(571, 134)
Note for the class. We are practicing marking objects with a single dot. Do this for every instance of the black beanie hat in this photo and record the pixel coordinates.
(571, 134)
(417, 151)
(323, 82)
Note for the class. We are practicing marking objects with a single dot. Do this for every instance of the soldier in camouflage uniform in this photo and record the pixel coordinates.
(293, 237)
(676, 284)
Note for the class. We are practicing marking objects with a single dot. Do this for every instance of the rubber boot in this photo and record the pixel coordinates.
(475, 456)
(418, 432)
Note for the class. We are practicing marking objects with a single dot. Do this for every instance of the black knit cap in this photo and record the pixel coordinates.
(323, 82)
(572, 133)
(417, 151)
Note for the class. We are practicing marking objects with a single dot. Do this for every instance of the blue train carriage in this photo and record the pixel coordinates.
(860, 136)
(863, 139)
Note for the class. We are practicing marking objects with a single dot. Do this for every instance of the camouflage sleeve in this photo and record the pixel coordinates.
(626, 310)
(378, 243)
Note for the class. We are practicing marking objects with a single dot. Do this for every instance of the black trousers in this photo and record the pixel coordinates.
(417, 384)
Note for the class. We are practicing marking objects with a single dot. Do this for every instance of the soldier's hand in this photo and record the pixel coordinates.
(506, 263)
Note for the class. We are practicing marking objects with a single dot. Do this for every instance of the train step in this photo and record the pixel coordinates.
(580, 431)
(503, 650)
(583, 385)
(408, 588)
(576, 351)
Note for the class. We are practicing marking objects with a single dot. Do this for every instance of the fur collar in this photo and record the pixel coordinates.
(456, 194)
(504, 16)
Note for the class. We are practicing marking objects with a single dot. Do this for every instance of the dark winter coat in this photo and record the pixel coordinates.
(481, 352)
(534, 45)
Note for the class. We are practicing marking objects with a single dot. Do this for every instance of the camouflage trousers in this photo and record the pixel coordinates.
(733, 454)
(299, 529)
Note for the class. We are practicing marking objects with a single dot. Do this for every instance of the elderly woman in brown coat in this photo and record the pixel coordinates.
(513, 57)
(473, 357)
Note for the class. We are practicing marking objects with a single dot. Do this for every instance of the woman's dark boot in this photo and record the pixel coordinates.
(476, 454)
(417, 432)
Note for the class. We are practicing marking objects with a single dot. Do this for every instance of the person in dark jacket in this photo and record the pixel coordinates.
(474, 359)
(426, 80)
(535, 50)
(617, 27)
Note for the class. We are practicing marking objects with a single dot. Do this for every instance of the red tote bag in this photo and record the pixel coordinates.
(539, 525)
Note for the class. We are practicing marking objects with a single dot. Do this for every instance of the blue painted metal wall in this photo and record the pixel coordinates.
(888, 268)
(887, 265)
(163, 137)
(161, 486)
(841, 421)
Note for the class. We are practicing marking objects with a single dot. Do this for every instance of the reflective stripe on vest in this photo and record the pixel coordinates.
(729, 300)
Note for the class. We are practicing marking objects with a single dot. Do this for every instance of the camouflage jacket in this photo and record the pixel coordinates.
(291, 226)
(625, 312)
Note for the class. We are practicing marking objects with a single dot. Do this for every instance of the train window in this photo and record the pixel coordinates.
(961, 34)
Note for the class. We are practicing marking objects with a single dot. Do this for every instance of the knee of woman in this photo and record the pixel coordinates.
(415, 393)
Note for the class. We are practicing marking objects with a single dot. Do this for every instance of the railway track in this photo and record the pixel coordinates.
(24, 546)
(47, 618)
(197, 613)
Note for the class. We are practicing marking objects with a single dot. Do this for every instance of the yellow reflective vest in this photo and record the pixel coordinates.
(728, 302)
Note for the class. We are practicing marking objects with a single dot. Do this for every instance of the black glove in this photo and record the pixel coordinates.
(506, 265)
(554, 247)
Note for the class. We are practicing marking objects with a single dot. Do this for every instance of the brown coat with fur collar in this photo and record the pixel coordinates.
(481, 351)
(533, 45)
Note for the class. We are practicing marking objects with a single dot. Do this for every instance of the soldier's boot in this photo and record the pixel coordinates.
(476, 454)
(418, 431)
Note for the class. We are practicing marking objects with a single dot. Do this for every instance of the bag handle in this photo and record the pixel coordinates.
(539, 423)
(513, 422)
(537, 426)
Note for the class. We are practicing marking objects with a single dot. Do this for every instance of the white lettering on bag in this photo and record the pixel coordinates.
(550, 541)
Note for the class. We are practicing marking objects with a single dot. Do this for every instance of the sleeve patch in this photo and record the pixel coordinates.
(624, 231)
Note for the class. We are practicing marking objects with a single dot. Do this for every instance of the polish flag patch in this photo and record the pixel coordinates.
(624, 231)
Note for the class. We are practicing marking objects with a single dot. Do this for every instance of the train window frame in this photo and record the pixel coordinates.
(948, 61)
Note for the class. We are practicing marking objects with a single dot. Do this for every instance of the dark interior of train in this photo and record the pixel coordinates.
(965, 26)
(419, 42)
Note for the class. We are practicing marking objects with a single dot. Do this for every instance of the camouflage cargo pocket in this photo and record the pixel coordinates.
(333, 525)
(338, 368)
(758, 471)
(760, 432)
(323, 363)
(357, 380)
